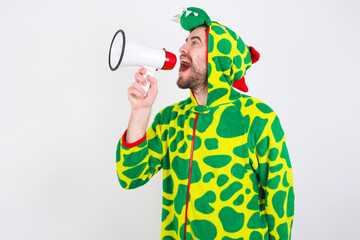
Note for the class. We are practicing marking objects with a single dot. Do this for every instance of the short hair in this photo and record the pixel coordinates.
(203, 25)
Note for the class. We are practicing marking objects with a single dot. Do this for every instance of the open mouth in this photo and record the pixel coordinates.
(184, 65)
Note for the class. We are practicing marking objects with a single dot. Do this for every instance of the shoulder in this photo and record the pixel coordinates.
(254, 107)
(170, 112)
(260, 118)
(175, 107)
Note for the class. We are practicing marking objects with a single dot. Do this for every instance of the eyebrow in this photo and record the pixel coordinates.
(194, 37)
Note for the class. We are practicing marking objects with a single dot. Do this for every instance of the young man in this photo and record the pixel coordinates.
(226, 168)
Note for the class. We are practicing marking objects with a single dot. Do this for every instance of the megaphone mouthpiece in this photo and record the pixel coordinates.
(170, 60)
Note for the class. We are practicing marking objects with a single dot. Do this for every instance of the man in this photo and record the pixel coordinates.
(226, 168)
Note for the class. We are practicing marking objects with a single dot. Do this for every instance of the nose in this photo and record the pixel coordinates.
(183, 49)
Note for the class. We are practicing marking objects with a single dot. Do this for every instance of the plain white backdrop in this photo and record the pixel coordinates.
(62, 110)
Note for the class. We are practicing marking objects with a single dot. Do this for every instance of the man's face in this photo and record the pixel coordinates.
(193, 65)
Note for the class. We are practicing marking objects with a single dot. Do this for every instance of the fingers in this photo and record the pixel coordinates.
(139, 77)
(137, 91)
(142, 71)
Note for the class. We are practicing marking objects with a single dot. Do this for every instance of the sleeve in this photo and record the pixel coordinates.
(276, 180)
(137, 162)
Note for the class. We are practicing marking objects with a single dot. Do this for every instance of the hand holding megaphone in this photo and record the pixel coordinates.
(124, 52)
(149, 71)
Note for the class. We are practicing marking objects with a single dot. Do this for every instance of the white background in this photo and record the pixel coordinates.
(62, 110)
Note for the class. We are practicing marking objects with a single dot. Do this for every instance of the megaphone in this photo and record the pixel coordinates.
(124, 52)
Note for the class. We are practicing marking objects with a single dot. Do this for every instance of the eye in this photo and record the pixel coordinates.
(194, 43)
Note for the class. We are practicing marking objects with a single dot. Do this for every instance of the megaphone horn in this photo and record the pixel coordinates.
(124, 52)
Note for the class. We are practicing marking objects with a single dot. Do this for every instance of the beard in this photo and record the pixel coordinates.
(197, 80)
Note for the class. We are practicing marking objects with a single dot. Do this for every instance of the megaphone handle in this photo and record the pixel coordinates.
(149, 71)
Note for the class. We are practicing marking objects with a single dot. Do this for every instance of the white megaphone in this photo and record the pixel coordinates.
(124, 52)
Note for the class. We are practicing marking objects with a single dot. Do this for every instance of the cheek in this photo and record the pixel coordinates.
(205, 56)
(202, 62)
(201, 58)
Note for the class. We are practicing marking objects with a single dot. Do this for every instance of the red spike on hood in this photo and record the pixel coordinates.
(241, 85)
(255, 55)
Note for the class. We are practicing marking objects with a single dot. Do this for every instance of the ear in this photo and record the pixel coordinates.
(255, 55)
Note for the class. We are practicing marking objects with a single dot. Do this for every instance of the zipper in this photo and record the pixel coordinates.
(190, 171)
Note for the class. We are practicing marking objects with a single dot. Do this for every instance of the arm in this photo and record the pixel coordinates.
(276, 180)
(136, 157)
(141, 104)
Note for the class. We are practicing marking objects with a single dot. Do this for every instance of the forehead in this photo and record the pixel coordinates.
(198, 32)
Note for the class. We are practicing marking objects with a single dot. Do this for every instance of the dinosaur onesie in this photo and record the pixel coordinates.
(226, 168)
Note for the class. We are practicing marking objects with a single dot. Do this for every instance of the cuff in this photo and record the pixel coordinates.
(134, 144)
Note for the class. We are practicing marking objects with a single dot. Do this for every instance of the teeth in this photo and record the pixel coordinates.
(184, 61)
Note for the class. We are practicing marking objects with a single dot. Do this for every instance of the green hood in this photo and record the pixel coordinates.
(228, 57)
